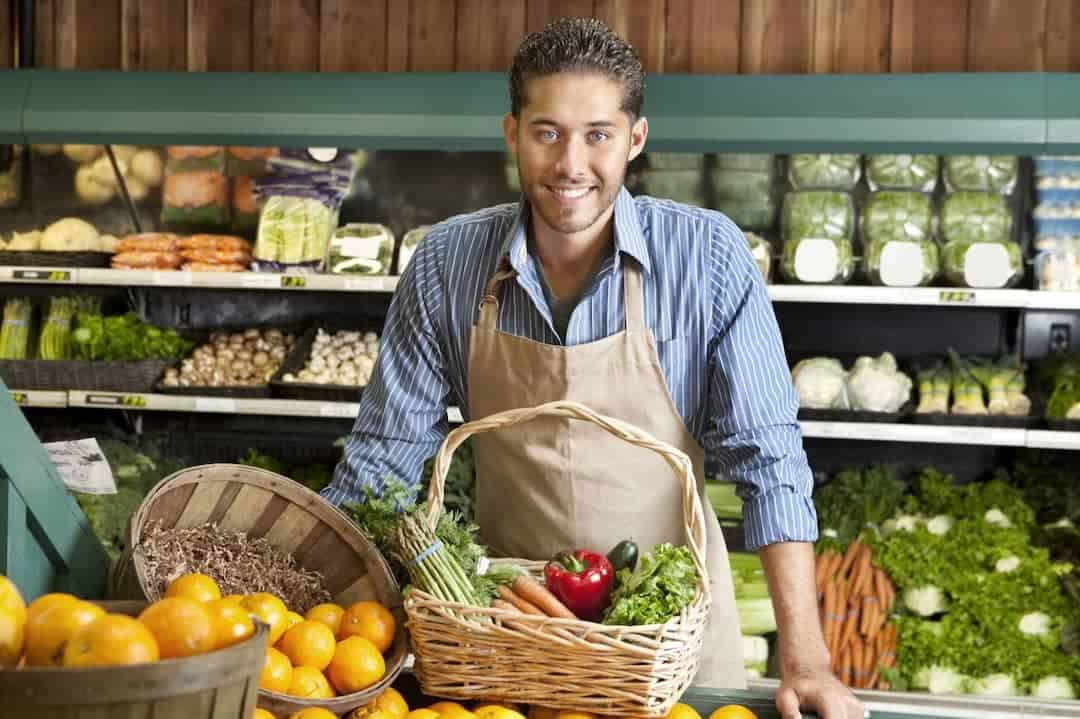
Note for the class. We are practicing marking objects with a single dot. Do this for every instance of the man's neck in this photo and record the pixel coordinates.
(568, 261)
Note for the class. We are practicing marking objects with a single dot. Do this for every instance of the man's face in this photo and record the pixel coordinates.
(573, 144)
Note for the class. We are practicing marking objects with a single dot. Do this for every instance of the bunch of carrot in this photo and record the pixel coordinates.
(528, 596)
(855, 599)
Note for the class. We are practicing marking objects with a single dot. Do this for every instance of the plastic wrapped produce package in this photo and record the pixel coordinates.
(983, 264)
(675, 161)
(823, 172)
(409, 243)
(975, 216)
(897, 215)
(1057, 264)
(687, 186)
(752, 162)
(817, 228)
(361, 248)
(990, 173)
(902, 172)
(902, 263)
(744, 190)
(762, 253)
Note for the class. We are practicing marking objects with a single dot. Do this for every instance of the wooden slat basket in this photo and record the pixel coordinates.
(465, 652)
(219, 685)
(293, 519)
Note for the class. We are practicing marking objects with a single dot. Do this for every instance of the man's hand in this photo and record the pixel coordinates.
(807, 682)
(818, 691)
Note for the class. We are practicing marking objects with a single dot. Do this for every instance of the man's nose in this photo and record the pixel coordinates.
(572, 157)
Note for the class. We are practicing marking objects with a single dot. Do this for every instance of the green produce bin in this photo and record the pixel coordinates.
(46, 544)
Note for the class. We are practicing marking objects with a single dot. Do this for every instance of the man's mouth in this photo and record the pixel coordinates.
(569, 193)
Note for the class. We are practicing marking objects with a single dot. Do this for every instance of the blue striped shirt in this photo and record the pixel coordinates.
(707, 306)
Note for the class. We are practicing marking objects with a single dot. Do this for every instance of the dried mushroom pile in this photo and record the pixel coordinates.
(238, 563)
(242, 359)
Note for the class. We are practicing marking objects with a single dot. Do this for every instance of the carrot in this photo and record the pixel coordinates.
(880, 591)
(850, 556)
(866, 569)
(852, 621)
(829, 607)
(834, 565)
(868, 611)
(845, 666)
(507, 606)
(856, 662)
(874, 679)
(821, 563)
(870, 661)
(523, 606)
(538, 595)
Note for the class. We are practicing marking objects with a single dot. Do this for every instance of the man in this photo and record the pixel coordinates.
(642, 309)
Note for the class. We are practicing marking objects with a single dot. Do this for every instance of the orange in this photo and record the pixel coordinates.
(357, 664)
(47, 601)
(269, 610)
(683, 711)
(12, 637)
(262, 714)
(232, 624)
(367, 712)
(422, 714)
(369, 620)
(309, 683)
(111, 640)
(313, 713)
(276, 673)
(291, 620)
(445, 706)
(309, 644)
(11, 600)
(733, 711)
(495, 711)
(391, 702)
(48, 631)
(456, 713)
(235, 599)
(182, 627)
(328, 614)
(199, 587)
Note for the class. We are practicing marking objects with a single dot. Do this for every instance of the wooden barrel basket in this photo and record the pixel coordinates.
(294, 520)
(219, 685)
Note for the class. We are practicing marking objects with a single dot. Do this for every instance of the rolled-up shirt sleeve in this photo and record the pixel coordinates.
(752, 431)
(402, 418)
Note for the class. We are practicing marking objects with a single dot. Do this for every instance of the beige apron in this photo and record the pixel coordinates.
(555, 483)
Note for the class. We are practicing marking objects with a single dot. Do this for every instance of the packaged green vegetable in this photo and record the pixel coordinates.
(754, 162)
(675, 161)
(823, 172)
(409, 243)
(757, 213)
(741, 184)
(902, 172)
(975, 217)
(991, 173)
(829, 215)
(818, 260)
(896, 215)
(982, 265)
(902, 263)
(362, 249)
(686, 186)
(762, 252)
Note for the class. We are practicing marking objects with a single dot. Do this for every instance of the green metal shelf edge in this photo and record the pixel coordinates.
(943, 113)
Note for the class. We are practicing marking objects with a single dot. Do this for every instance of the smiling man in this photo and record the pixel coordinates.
(642, 309)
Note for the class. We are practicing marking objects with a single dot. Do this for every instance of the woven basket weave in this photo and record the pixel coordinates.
(465, 652)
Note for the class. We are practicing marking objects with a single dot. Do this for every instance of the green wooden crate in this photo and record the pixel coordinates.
(46, 544)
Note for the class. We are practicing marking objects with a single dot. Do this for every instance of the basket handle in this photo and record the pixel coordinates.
(679, 462)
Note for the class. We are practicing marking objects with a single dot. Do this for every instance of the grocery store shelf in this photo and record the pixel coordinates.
(38, 398)
(929, 296)
(940, 112)
(1048, 439)
(921, 433)
(220, 405)
(237, 280)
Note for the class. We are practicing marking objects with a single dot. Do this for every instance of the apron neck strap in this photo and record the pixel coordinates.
(633, 295)
(489, 304)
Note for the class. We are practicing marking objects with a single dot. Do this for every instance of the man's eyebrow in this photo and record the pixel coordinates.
(594, 123)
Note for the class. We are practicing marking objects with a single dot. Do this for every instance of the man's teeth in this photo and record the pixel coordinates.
(570, 194)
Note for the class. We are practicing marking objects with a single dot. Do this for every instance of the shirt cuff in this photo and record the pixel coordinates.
(779, 515)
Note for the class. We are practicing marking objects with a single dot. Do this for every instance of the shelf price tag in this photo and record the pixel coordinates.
(339, 409)
(171, 279)
(293, 282)
(364, 284)
(133, 401)
(215, 404)
(19, 397)
(956, 297)
(42, 275)
(257, 281)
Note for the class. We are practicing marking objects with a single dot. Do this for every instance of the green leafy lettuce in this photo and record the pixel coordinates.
(664, 583)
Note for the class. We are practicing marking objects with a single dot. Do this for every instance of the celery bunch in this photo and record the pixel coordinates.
(55, 340)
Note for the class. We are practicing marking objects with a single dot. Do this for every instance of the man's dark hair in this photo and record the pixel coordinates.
(578, 44)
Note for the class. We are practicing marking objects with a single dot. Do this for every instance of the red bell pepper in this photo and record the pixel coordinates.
(582, 580)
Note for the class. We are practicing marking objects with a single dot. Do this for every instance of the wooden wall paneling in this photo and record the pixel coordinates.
(220, 35)
(285, 35)
(540, 12)
(397, 35)
(702, 36)
(851, 36)
(7, 35)
(44, 33)
(929, 36)
(154, 35)
(432, 35)
(1007, 36)
(488, 34)
(642, 22)
(353, 35)
(87, 34)
(776, 36)
(1063, 36)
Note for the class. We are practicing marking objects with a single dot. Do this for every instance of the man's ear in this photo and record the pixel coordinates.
(638, 133)
(510, 124)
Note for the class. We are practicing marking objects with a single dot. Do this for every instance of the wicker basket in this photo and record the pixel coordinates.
(465, 652)
(293, 519)
(219, 685)
(86, 375)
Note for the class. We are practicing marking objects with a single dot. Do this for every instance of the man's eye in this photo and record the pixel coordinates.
(548, 135)
(599, 135)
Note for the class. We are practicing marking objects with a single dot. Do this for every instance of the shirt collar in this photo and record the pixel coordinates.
(629, 238)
